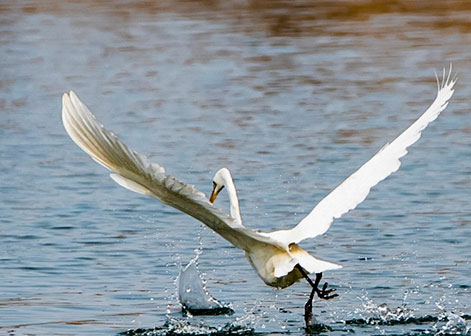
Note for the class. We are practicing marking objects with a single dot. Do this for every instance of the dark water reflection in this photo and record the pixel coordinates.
(292, 96)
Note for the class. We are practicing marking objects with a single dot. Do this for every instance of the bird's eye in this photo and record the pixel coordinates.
(214, 184)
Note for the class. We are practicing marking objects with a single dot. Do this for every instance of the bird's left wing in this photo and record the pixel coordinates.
(355, 188)
(133, 171)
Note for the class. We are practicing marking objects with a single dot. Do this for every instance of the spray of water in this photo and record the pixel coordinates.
(193, 295)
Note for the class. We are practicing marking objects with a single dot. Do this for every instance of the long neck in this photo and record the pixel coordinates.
(234, 201)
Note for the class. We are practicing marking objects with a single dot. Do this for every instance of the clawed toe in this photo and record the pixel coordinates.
(325, 296)
(328, 297)
(325, 293)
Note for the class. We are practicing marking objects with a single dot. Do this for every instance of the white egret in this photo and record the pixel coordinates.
(275, 256)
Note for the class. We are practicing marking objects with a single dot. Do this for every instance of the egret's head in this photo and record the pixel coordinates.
(219, 181)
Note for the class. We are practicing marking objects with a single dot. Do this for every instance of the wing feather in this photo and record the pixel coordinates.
(355, 188)
(133, 171)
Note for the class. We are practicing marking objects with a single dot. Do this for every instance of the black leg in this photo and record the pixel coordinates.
(323, 293)
(308, 309)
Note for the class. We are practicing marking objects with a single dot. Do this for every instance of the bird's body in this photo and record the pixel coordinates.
(276, 266)
(275, 256)
(273, 260)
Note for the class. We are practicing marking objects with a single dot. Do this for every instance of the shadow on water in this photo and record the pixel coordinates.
(183, 328)
(400, 320)
(448, 324)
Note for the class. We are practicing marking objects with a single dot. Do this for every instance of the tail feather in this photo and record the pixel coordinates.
(310, 263)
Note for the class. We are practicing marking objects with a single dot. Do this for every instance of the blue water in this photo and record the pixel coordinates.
(292, 98)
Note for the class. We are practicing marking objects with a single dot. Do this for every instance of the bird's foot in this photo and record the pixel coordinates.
(325, 293)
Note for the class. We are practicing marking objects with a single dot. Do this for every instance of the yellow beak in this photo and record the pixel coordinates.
(213, 195)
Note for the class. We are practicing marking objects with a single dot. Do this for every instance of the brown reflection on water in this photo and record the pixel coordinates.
(276, 18)
(364, 136)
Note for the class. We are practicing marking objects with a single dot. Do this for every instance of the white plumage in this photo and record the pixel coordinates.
(273, 255)
(355, 188)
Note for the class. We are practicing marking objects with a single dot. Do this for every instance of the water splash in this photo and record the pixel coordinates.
(380, 315)
(372, 313)
(450, 323)
(193, 295)
(185, 328)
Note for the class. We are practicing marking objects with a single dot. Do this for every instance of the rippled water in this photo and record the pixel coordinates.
(292, 97)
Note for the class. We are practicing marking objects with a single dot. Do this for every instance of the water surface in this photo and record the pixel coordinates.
(292, 98)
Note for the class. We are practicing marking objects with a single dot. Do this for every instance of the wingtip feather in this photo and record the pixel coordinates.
(353, 190)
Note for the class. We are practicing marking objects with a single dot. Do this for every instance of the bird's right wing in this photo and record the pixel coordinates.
(134, 172)
(355, 188)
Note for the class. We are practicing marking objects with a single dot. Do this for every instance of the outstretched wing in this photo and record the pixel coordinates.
(134, 172)
(355, 188)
